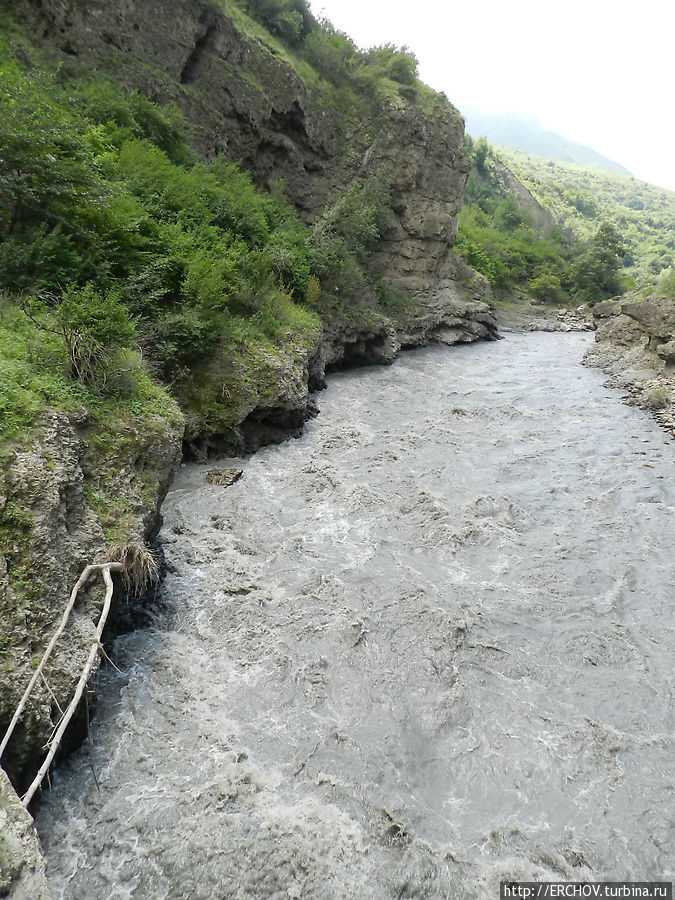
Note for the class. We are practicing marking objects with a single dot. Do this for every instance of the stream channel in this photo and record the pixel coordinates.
(426, 647)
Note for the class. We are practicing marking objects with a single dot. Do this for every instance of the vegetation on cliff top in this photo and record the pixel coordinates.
(331, 52)
(124, 261)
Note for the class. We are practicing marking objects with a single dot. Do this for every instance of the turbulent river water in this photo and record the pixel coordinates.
(424, 648)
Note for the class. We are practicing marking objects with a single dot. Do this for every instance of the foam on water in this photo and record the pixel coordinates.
(424, 648)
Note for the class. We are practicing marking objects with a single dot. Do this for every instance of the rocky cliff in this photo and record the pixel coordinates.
(76, 487)
(635, 346)
(249, 98)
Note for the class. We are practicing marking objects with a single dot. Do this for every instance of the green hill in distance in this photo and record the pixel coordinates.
(581, 198)
(530, 136)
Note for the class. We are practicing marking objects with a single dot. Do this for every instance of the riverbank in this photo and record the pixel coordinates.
(635, 347)
(523, 314)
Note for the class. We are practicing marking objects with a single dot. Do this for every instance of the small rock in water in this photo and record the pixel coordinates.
(223, 477)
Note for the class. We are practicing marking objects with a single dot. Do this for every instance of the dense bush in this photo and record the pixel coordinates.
(396, 63)
(331, 52)
(497, 239)
(120, 254)
(95, 331)
(343, 237)
(290, 20)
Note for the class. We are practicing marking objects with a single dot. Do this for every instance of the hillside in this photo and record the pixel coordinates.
(580, 199)
(530, 136)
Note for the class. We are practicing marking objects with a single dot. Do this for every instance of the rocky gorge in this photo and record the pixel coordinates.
(79, 485)
(76, 488)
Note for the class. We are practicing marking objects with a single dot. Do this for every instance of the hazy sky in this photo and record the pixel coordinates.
(600, 72)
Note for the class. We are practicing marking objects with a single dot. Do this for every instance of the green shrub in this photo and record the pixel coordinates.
(127, 115)
(93, 328)
(290, 20)
(657, 398)
(331, 52)
(497, 239)
(545, 285)
(482, 150)
(360, 215)
(397, 63)
(49, 172)
(666, 283)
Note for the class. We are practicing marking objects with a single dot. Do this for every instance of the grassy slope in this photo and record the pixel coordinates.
(581, 198)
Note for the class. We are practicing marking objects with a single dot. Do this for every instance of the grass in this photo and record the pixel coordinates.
(16, 523)
(658, 398)
(33, 375)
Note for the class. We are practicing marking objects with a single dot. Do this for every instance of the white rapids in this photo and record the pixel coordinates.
(424, 648)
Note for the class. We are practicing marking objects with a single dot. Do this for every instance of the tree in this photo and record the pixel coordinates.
(481, 150)
(595, 274)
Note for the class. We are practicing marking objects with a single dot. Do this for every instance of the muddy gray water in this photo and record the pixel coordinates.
(424, 648)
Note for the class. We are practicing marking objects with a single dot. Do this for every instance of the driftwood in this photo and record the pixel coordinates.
(81, 684)
(137, 566)
(82, 580)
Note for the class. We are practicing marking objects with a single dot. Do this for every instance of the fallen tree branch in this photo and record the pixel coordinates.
(84, 577)
(81, 684)
(138, 566)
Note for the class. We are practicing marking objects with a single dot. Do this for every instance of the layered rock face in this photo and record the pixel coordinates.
(247, 101)
(635, 345)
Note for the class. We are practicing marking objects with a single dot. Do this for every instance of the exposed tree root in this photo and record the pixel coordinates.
(137, 566)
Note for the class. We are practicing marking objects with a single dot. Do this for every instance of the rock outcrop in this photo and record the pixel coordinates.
(69, 496)
(22, 866)
(275, 407)
(635, 345)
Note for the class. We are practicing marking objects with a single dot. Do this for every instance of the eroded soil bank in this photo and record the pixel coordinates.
(425, 647)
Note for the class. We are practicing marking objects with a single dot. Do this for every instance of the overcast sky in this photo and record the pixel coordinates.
(600, 72)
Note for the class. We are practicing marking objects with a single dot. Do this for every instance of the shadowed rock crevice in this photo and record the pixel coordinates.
(189, 71)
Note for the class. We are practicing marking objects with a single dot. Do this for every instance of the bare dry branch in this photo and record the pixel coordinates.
(138, 566)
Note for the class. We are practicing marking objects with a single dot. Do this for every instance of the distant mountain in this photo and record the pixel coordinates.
(531, 136)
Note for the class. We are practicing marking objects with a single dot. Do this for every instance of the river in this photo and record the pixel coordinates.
(426, 647)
